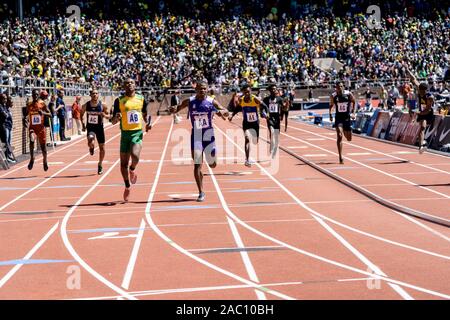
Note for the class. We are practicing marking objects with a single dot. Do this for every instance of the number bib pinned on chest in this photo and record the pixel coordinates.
(92, 119)
(252, 117)
(133, 117)
(201, 122)
(36, 119)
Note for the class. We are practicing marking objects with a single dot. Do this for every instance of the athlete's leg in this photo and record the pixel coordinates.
(197, 156)
(101, 146)
(247, 146)
(422, 142)
(135, 154)
(32, 136)
(91, 142)
(339, 133)
(44, 154)
(348, 134)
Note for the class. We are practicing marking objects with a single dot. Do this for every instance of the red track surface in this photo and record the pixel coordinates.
(291, 233)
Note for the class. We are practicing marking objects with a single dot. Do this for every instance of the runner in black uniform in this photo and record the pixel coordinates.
(95, 112)
(288, 97)
(273, 106)
(345, 104)
(425, 114)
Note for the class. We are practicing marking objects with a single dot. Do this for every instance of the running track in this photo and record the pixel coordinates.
(277, 230)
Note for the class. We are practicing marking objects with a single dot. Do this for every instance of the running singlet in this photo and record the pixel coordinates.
(342, 103)
(131, 109)
(36, 119)
(423, 102)
(201, 112)
(94, 115)
(250, 110)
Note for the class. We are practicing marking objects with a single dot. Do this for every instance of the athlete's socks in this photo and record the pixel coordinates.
(127, 183)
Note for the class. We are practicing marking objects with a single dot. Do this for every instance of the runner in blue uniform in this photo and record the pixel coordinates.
(201, 109)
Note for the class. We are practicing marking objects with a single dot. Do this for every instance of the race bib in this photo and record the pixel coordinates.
(93, 119)
(133, 117)
(252, 117)
(201, 122)
(342, 107)
(273, 107)
(36, 119)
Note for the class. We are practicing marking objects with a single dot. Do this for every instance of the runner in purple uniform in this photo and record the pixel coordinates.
(201, 109)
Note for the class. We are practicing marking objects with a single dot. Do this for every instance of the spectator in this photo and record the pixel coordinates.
(76, 112)
(6, 125)
(60, 109)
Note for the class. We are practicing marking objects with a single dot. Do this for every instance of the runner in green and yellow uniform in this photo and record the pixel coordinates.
(131, 110)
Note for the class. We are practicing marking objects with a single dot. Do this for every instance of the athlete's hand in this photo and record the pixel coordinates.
(148, 127)
(331, 118)
(172, 109)
(230, 118)
(225, 114)
(83, 129)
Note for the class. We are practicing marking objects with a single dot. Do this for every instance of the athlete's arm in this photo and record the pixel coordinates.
(116, 112)
(82, 112)
(262, 110)
(352, 104)
(413, 78)
(221, 111)
(45, 111)
(148, 121)
(236, 110)
(26, 121)
(331, 108)
(176, 109)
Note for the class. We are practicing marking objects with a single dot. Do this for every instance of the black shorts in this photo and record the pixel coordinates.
(273, 122)
(428, 117)
(345, 121)
(99, 133)
(252, 126)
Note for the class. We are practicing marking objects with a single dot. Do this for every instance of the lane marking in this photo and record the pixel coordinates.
(169, 241)
(377, 276)
(132, 262)
(226, 287)
(245, 257)
(48, 179)
(39, 158)
(372, 168)
(69, 247)
(379, 152)
(28, 255)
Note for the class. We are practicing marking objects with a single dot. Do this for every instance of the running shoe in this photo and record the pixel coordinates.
(248, 164)
(422, 148)
(126, 194)
(201, 197)
(45, 166)
(91, 151)
(30, 165)
(99, 170)
(341, 160)
(133, 177)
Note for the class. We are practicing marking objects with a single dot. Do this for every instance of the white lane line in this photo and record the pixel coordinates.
(371, 168)
(177, 247)
(378, 152)
(423, 226)
(74, 254)
(245, 257)
(315, 155)
(132, 262)
(28, 255)
(69, 145)
(344, 266)
(341, 239)
(359, 154)
(205, 250)
(217, 288)
(49, 178)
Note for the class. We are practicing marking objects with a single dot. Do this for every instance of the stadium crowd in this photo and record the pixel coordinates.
(252, 42)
